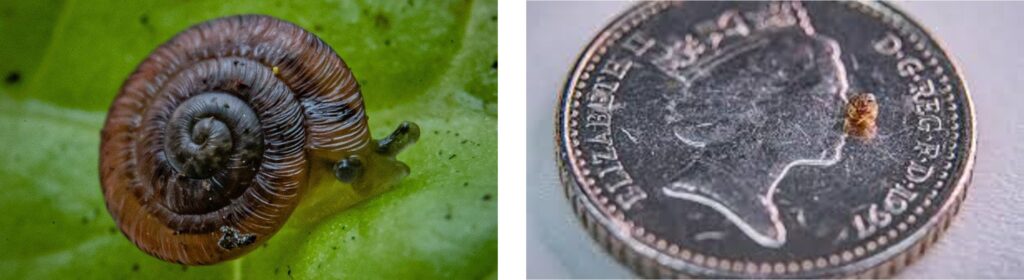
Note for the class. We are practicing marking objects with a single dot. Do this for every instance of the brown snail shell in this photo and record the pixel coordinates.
(208, 146)
(861, 115)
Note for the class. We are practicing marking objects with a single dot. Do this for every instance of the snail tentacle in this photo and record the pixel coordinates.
(405, 135)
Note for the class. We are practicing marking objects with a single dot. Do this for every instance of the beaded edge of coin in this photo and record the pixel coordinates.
(651, 263)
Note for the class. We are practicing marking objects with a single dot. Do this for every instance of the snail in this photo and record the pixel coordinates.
(861, 112)
(208, 146)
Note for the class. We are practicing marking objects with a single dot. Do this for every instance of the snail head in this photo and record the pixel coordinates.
(377, 168)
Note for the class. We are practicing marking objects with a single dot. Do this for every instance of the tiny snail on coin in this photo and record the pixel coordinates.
(861, 112)
(208, 146)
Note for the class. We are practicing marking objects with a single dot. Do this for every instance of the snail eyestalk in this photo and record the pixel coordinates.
(348, 169)
(403, 136)
(376, 169)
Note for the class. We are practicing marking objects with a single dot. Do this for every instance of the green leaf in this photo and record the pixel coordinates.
(430, 62)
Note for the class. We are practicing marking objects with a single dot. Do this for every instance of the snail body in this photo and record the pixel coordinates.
(208, 146)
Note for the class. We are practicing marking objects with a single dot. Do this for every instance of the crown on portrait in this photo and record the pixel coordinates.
(781, 15)
(776, 16)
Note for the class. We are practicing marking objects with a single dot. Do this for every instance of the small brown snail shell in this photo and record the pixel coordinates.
(861, 112)
(208, 146)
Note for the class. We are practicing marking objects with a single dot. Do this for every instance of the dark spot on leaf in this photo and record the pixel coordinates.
(494, 18)
(451, 157)
(382, 22)
(353, 237)
(12, 78)
(289, 271)
(318, 28)
(334, 247)
(487, 197)
(387, 42)
(184, 268)
(494, 65)
(465, 184)
(144, 19)
(135, 267)
(463, 141)
(112, 230)
(85, 220)
(276, 270)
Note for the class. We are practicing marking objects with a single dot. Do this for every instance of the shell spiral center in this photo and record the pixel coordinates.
(203, 131)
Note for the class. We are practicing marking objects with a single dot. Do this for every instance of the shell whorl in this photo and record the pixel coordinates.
(211, 138)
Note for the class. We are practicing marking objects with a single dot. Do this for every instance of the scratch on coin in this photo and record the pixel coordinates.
(806, 137)
(694, 216)
(628, 135)
(709, 235)
(800, 219)
(853, 62)
(840, 237)
(688, 141)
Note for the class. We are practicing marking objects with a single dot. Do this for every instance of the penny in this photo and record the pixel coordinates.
(756, 139)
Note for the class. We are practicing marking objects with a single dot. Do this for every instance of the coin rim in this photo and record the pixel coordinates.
(653, 263)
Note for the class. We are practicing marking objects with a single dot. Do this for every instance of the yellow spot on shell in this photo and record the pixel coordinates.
(276, 70)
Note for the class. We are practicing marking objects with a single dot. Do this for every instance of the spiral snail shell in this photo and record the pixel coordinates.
(208, 146)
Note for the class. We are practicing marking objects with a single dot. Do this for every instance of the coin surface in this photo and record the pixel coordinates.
(756, 139)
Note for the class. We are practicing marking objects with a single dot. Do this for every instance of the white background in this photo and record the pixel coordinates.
(986, 239)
